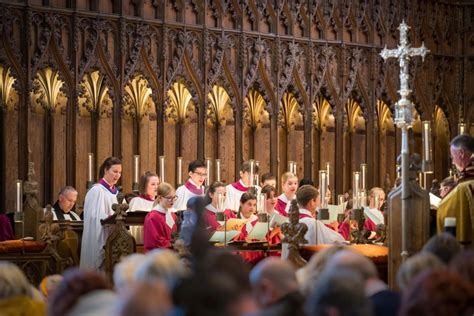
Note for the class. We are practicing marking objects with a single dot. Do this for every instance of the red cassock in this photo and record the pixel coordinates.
(344, 228)
(210, 219)
(156, 233)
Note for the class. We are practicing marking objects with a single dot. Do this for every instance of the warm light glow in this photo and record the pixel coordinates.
(93, 92)
(47, 89)
(219, 108)
(6, 87)
(255, 113)
(289, 112)
(137, 99)
(179, 103)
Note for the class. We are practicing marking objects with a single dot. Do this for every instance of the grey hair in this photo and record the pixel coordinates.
(463, 141)
(13, 281)
(125, 270)
(67, 189)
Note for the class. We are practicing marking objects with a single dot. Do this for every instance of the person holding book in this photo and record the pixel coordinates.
(211, 212)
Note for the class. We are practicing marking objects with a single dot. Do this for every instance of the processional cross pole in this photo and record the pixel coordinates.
(404, 116)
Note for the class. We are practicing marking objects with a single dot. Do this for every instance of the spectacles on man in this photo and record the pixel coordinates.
(201, 174)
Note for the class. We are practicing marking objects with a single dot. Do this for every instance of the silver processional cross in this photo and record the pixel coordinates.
(404, 116)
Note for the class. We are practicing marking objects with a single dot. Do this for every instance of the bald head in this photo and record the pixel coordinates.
(354, 261)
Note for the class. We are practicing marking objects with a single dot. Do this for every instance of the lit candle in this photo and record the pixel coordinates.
(328, 167)
(208, 167)
(90, 163)
(461, 128)
(252, 173)
(355, 189)
(363, 169)
(19, 196)
(218, 170)
(340, 199)
(162, 169)
(180, 170)
(136, 168)
(323, 185)
(426, 141)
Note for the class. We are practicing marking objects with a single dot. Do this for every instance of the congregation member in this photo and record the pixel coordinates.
(160, 222)
(63, 208)
(98, 205)
(444, 246)
(147, 186)
(268, 179)
(289, 185)
(414, 266)
(459, 202)
(236, 189)
(276, 289)
(194, 186)
(211, 202)
(308, 201)
(125, 271)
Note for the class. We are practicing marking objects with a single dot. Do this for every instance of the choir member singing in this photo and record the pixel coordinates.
(212, 201)
(147, 187)
(235, 190)
(160, 223)
(248, 206)
(98, 205)
(268, 179)
(289, 184)
(193, 187)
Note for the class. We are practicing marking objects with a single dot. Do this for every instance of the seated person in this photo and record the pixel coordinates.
(159, 224)
(308, 201)
(211, 202)
(289, 184)
(62, 209)
(248, 206)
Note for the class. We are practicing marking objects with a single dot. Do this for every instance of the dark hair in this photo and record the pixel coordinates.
(463, 141)
(193, 165)
(306, 181)
(144, 179)
(463, 264)
(444, 246)
(247, 196)
(246, 167)
(448, 182)
(305, 194)
(107, 164)
(76, 283)
(268, 189)
(267, 176)
(212, 189)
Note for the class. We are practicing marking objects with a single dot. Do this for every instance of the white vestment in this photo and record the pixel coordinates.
(318, 233)
(183, 194)
(97, 206)
(139, 204)
(233, 195)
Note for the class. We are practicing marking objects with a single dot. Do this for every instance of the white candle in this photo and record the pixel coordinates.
(220, 202)
(90, 163)
(252, 172)
(355, 189)
(294, 168)
(461, 128)
(322, 187)
(290, 166)
(340, 199)
(363, 198)
(426, 141)
(19, 196)
(261, 203)
(162, 169)
(218, 170)
(363, 169)
(136, 168)
(179, 170)
(328, 167)
(208, 167)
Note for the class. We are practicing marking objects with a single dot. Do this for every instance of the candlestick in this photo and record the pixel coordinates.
(136, 168)
(209, 170)
(162, 169)
(323, 185)
(252, 173)
(328, 167)
(179, 178)
(90, 163)
(363, 171)
(260, 203)
(420, 178)
(294, 168)
(341, 199)
(19, 196)
(363, 198)
(355, 189)
(218, 170)
(461, 128)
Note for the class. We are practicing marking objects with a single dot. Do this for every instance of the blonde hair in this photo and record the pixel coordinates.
(375, 190)
(286, 176)
(163, 190)
(13, 281)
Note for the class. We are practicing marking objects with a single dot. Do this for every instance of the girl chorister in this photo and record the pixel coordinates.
(289, 183)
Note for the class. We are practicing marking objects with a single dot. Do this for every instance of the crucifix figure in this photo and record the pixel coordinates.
(404, 115)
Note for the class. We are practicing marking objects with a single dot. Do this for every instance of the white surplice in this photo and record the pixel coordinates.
(139, 204)
(318, 233)
(183, 194)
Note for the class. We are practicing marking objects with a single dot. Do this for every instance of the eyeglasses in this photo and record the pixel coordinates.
(201, 174)
(170, 198)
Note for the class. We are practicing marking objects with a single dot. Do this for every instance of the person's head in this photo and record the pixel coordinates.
(463, 264)
(444, 246)
(289, 184)
(111, 170)
(49, 284)
(271, 197)
(338, 292)
(148, 184)
(213, 192)
(354, 261)
(75, 285)
(272, 279)
(13, 281)
(124, 271)
(462, 148)
(166, 195)
(67, 198)
(145, 299)
(306, 181)
(268, 179)
(245, 172)
(415, 265)
(248, 204)
(376, 194)
(446, 185)
(307, 197)
(197, 172)
(438, 292)
(163, 265)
